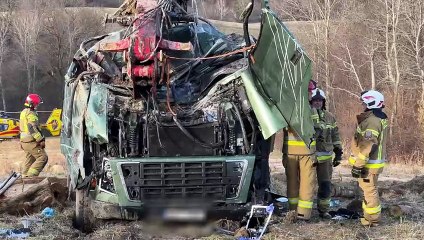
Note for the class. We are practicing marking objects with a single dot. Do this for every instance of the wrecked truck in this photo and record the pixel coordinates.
(164, 116)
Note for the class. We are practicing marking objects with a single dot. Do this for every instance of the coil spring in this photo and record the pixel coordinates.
(132, 138)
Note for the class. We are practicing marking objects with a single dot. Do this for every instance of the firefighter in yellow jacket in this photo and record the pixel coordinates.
(31, 138)
(369, 153)
(328, 142)
(299, 164)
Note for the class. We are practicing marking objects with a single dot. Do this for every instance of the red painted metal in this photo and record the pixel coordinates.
(143, 71)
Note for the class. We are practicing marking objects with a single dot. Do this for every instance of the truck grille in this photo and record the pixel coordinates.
(194, 180)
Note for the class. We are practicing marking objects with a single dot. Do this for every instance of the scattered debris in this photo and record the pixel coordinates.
(15, 233)
(227, 227)
(345, 190)
(261, 212)
(48, 212)
(343, 214)
(9, 182)
(281, 206)
(27, 221)
(335, 203)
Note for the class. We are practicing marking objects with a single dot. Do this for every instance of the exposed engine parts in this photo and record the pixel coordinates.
(218, 125)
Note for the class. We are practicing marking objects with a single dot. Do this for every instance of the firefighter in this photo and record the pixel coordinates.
(369, 153)
(31, 138)
(328, 142)
(299, 164)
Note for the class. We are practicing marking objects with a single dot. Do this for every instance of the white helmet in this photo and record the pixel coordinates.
(317, 94)
(373, 99)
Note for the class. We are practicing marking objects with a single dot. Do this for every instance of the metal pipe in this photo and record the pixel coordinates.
(243, 129)
(9, 183)
(246, 23)
(5, 181)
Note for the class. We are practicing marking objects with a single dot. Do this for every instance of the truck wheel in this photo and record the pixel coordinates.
(83, 219)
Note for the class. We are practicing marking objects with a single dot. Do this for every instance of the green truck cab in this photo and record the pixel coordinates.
(164, 117)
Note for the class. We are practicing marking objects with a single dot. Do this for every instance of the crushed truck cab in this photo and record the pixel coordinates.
(168, 112)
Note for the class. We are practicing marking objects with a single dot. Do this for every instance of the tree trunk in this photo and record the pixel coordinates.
(47, 193)
(395, 19)
(372, 69)
(28, 68)
(33, 78)
(395, 109)
(326, 49)
(3, 93)
(422, 86)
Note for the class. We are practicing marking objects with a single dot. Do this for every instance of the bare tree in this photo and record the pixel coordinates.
(351, 68)
(64, 29)
(221, 8)
(393, 14)
(5, 22)
(370, 51)
(27, 23)
(326, 17)
(414, 34)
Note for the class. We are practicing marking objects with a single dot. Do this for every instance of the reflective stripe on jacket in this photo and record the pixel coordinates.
(369, 143)
(29, 126)
(327, 135)
(294, 145)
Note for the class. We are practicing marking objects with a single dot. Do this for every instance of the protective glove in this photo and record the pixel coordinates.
(42, 144)
(338, 152)
(357, 172)
(336, 160)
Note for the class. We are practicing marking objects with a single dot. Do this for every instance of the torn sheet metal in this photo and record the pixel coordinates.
(283, 71)
(72, 146)
(96, 115)
(269, 117)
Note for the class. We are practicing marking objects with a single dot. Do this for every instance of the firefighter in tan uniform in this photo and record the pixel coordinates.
(369, 153)
(299, 164)
(31, 138)
(328, 142)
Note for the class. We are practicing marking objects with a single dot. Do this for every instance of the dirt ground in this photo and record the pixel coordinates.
(402, 185)
(12, 157)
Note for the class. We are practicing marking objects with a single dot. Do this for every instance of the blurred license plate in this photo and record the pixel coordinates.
(184, 214)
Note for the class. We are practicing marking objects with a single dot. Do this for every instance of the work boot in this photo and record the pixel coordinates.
(367, 223)
(325, 215)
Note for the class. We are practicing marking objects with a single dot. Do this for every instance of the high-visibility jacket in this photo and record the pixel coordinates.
(294, 145)
(29, 126)
(327, 135)
(369, 144)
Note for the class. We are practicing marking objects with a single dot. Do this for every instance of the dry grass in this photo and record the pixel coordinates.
(60, 227)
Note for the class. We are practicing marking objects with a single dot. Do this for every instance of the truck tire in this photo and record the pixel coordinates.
(83, 219)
